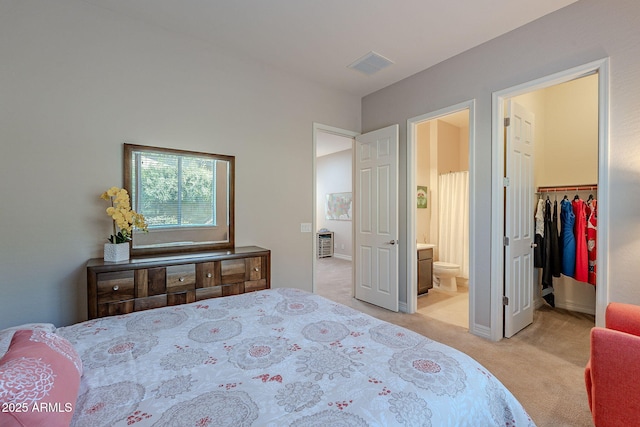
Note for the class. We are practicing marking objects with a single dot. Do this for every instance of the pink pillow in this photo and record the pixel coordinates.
(39, 380)
(7, 334)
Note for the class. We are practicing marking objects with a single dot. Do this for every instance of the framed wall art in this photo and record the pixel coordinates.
(422, 197)
(339, 206)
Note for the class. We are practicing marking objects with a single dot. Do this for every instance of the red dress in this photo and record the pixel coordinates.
(580, 231)
(592, 228)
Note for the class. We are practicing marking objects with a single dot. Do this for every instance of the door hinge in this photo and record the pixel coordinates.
(505, 181)
(505, 300)
(507, 121)
(505, 241)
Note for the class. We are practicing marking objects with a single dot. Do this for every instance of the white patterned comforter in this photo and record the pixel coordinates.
(279, 357)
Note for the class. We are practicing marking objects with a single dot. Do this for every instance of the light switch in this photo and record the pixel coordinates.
(305, 227)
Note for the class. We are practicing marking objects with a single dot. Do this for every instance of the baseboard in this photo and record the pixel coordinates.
(402, 306)
(481, 331)
(344, 257)
(579, 308)
(568, 305)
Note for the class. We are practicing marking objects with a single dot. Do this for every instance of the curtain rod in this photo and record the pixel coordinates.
(568, 188)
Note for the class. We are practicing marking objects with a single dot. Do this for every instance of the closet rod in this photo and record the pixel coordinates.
(568, 188)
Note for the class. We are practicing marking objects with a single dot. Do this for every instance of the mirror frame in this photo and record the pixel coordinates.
(182, 248)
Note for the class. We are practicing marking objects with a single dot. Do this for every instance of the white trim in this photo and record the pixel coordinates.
(577, 307)
(602, 273)
(402, 307)
(318, 127)
(497, 167)
(412, 263)
(482, 331)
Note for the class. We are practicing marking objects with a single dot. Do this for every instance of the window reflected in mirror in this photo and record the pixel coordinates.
(186, 197)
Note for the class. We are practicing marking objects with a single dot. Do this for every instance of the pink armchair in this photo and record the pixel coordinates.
(612, 375)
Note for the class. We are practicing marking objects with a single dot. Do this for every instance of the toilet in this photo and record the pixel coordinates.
(444, 275)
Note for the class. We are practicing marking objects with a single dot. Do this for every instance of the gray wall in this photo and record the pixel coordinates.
(578, 34)
(76, 81)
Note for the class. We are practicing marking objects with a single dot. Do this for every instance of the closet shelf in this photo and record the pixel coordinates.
(552, 189)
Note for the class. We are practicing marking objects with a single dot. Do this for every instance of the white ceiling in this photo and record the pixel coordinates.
(317, 40)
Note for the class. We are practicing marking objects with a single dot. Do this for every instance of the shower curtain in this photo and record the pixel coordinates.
(453, 206)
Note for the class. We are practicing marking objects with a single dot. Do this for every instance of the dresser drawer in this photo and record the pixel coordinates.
(115, 286)
(181, 284)
(207, 274)
(210, 292)
(115, 308)
(150, 302)
(255, 268)
(220, 291)
(232, 271)
(178, 298)
(233, 289)
(181, 278)
(255, 285)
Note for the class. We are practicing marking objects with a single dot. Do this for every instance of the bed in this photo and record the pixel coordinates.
(278, 357)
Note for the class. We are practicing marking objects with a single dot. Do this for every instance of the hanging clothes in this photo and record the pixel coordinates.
(567, 238)
(547, 278)
(538, 249)
(580, 232)
(556, 266)
(592, 228)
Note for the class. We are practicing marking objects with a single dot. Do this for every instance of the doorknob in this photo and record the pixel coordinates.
(534, 245)
(393, 242)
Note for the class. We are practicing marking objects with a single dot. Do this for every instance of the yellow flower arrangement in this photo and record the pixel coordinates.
(124, 218)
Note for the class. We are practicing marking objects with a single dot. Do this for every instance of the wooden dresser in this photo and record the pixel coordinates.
(150, 282)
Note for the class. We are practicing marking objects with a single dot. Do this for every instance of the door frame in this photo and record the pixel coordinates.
(318, 127)
(410, 246)
(601, 67)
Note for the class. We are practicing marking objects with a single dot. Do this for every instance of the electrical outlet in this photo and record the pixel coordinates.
(305, 227)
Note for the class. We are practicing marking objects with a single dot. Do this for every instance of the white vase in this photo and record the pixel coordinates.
(114, 252)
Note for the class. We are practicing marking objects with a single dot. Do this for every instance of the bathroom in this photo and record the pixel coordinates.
(442, 216)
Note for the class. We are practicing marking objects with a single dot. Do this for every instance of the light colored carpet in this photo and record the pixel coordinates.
(542, 365)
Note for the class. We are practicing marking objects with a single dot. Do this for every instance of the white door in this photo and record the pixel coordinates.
(376, 210)
(519, 217)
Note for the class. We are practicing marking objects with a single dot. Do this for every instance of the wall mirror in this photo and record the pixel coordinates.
(186, 197)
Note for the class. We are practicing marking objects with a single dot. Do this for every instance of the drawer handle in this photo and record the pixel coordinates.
(116, 287)
(208, 274)
(181, 279)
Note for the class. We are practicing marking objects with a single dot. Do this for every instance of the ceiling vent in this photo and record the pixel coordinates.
(370, 64)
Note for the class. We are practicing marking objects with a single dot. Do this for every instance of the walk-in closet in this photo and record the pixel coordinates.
(566, 193)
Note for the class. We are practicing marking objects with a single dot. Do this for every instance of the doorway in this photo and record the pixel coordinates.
(502, 285)
(442, 218)
(449, 150)
(333, 231)
(372, 209)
